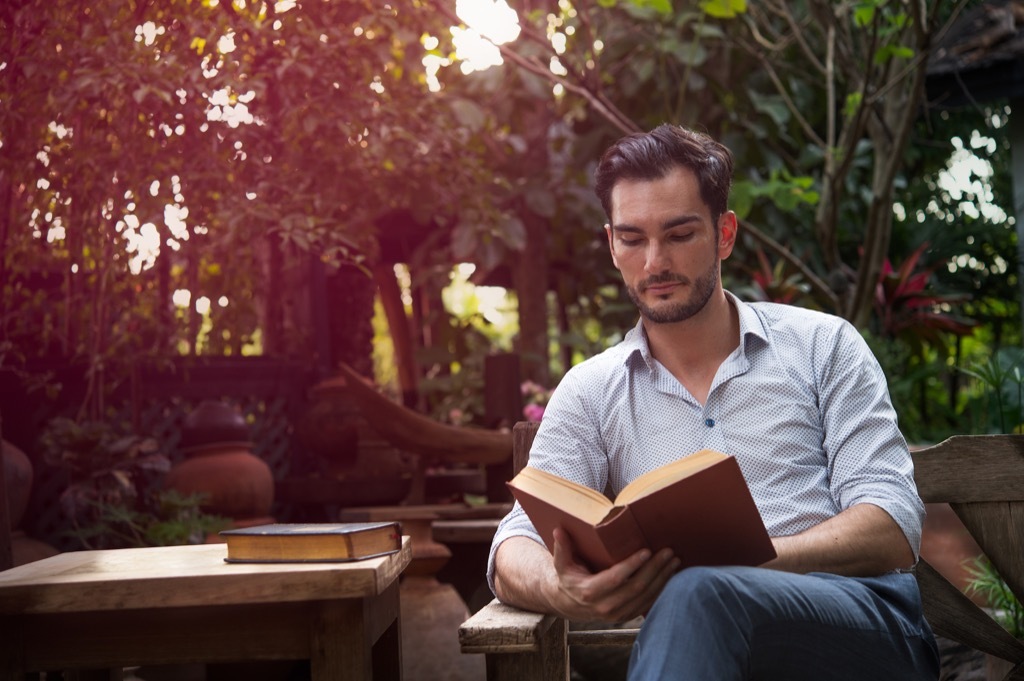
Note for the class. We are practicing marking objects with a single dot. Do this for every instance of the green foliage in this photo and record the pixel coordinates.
(1002, 377)
(987, 583)
(182, 146)
(785, 192)
(113, 497)
(165, 519)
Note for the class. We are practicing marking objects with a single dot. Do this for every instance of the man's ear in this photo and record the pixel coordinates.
(611, 244)
(728, 227)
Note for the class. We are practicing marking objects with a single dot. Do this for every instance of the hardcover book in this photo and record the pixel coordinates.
(312, 542)
(699, 506)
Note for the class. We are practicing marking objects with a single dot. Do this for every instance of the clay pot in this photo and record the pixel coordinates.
(236, 482)
(219, 464)
(18, 475)
(213, 422)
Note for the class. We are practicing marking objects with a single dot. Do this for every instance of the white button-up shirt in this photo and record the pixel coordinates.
(801, 403)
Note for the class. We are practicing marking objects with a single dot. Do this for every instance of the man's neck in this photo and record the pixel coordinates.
(694, 349)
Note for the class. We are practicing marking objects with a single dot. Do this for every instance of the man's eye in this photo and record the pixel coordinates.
(630, 242)
(681, 237)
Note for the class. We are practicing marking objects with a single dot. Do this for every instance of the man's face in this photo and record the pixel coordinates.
(665, 244)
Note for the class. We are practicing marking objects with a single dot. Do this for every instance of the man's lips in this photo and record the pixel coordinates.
(661, 287)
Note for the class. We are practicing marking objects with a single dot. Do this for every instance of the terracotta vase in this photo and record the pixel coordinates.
(236, 482)
(19, 475)
(219, 464)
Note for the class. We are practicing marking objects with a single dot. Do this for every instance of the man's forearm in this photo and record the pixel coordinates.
(523, 571)
(861, 541)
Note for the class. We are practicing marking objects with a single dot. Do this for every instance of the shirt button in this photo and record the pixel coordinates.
(710, 423)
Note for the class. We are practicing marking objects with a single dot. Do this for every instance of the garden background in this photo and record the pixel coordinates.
(226, 199)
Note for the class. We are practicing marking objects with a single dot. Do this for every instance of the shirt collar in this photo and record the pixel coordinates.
(635, 343)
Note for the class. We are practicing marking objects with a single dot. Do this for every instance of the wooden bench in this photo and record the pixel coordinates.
(980, 476)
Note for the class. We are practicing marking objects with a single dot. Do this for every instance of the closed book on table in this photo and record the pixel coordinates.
(699, 506)
(312, 542)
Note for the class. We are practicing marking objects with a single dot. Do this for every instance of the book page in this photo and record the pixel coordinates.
(667, 474)
(577, 500)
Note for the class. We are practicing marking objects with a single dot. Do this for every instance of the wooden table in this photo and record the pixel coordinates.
(184, 604)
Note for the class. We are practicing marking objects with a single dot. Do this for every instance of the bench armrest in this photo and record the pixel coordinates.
(518, 644)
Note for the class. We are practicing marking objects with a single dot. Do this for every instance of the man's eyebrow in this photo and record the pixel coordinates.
(678, 221)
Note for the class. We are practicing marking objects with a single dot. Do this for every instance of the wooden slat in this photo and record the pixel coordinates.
(953, 615)
(619, 638)
(522, 439)
(998, 527)
(464, 531)
(969, 468)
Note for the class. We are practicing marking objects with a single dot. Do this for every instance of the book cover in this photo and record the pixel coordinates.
(312, 542)
(699, 506)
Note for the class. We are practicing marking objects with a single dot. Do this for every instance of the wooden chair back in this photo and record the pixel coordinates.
(980, 476)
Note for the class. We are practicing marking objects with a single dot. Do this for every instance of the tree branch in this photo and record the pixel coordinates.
(816, 283)
(599, 102)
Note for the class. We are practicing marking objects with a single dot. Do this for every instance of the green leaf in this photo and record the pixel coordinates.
(468, 114)
(774, 107)
(888, 52)
(663, 7)
(853, 102)
(541, 202)
(741, 198)
(464, 242)
(863, 15)
(724, 9)
(693, 54)
(514, 233)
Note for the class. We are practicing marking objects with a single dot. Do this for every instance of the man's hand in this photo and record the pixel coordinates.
(527, 576)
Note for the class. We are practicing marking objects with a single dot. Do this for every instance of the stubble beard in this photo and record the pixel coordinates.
(703, 289)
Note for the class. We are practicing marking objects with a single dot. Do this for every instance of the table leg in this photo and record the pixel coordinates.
(340, 642)
(358, 639)
(387, 654)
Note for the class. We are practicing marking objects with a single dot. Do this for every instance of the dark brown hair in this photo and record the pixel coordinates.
(652, 155)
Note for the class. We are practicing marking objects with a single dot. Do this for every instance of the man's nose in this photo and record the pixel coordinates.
(656, 257)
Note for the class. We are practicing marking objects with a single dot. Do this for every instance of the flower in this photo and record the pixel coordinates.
(535, 397)
(533, 412)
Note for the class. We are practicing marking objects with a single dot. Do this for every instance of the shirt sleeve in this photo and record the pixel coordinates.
(868, 458)
(568, 444)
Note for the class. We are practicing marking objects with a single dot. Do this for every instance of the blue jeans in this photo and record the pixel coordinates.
(733, 623)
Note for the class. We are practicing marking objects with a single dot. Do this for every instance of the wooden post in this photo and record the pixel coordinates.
(503, 407)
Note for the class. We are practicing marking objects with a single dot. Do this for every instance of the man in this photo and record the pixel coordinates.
(799, 400)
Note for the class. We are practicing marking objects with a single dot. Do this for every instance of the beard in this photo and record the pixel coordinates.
(670, 313)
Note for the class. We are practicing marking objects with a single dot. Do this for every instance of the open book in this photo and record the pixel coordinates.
(699, 506)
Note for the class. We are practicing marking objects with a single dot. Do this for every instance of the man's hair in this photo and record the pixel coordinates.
(653, 155)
